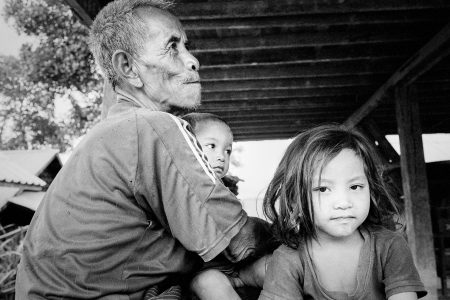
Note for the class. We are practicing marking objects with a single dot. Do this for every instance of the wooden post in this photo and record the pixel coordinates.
(415, 187)
(109, 98)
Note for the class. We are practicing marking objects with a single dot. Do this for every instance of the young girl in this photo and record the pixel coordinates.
(220, 277)
(329, 208)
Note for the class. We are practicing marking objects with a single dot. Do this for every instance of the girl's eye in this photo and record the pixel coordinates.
(210, 146)
(356, 187)
(321, 189)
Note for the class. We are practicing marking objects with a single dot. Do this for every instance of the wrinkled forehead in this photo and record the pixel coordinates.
(160, 21)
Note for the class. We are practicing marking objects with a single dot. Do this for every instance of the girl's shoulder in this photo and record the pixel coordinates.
(287, 254)
(384, 238)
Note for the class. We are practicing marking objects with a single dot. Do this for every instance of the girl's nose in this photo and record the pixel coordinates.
(343, 202)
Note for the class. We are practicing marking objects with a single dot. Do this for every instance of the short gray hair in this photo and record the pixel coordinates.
(117, 26)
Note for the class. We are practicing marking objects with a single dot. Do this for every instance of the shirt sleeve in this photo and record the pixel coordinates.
(400, 273)
(283, 276)
(181, 188)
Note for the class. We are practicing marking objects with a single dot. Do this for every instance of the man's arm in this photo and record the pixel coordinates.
(184, 192)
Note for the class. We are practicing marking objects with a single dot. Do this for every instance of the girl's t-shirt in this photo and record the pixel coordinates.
(385, 268)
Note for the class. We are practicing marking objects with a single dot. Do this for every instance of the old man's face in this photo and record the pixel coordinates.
(167, 69)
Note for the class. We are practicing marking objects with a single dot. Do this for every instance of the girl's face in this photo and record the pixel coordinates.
(341, 199)
(216, 141)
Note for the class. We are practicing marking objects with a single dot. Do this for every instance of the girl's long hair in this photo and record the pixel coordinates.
(288, 199)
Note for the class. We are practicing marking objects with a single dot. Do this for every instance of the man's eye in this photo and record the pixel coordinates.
(188, 45)
(173, 46)
(228, 152)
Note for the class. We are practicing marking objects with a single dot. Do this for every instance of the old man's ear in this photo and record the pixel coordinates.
(125, 68)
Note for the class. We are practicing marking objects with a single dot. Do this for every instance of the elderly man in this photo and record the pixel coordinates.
(137, 205)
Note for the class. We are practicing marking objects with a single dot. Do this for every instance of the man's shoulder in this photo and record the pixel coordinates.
(154, 115)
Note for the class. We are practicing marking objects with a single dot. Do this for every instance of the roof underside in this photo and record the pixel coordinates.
(273, 68)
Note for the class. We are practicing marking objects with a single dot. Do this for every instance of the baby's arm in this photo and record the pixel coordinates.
(404, 296)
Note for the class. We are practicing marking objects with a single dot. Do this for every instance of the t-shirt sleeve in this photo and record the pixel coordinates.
(400, 273)
(283, 276)
(181, 188)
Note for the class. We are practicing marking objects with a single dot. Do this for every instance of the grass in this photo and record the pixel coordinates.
(11, 238)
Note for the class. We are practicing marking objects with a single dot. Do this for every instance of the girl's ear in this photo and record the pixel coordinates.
(125, 68)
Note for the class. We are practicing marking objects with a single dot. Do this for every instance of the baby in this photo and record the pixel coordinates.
(218, 278)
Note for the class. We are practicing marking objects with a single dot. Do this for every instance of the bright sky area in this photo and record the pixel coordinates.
(258, 160)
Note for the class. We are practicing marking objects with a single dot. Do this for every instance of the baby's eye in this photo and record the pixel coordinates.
(321, 189)
(356, 187)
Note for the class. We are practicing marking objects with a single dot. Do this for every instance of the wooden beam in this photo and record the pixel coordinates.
(292, 82)
(286, 92)
(282, 103)
(425, 15)
(227, 40)
(415, 187)
(263, 136)
(295, 52)
(80, 12)
(388, 152)
(236, 9)
(346, 66)
(430, 54)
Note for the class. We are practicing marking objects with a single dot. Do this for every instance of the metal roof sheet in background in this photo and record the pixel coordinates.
(10, 172)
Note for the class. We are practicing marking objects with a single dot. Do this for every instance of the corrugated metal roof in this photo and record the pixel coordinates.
(34, 161)
(6, 193)
(29, 200)
(11, 172)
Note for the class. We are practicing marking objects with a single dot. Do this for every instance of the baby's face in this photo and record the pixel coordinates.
(216, 141)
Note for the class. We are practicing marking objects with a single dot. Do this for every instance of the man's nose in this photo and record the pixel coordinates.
(191, 62)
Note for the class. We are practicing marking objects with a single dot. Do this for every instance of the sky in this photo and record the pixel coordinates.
(11, 41)
(258, 159)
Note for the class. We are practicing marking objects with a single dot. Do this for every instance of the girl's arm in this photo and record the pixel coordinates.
(400, 276)
(404, 296)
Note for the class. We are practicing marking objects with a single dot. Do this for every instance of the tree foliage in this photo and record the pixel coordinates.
(58, 66)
